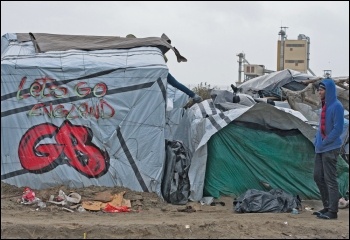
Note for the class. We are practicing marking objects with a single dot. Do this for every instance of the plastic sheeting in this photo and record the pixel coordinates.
(247, 156)
(275, 200)
(204, 120)
(176, 183)
(271, 84)
(81, 118)
(45, 42)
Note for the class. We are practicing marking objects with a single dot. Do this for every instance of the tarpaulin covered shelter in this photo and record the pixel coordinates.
(260, 146)
(84, 110)
(270, 84)
(300, 92)
(250, 156)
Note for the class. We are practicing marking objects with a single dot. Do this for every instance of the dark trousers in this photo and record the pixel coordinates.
(173, 82)
(325, 176)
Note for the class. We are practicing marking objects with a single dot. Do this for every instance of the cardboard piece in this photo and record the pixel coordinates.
(105, 196)
(92, 205)
(116, 201)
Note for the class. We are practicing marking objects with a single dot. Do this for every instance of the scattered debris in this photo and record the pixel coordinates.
(105, 196)
(103, 201)
(216, 203)
(68, 210)
(309, 208)
(188, 209)
(206, 200)
(188, 227)
(112, 209)
(29, 197)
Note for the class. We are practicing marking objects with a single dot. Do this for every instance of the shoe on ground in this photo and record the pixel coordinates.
(197, 98)
(323, 211)
(328, 215)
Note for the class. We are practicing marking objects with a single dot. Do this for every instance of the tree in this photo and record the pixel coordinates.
(203, 90)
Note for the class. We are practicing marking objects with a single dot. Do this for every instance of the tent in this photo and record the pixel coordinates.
(248, 156)
(270, 84)
(249, 147)
(85, 110)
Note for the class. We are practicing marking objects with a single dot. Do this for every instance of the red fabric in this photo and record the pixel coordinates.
(323, 120)
(28, 194)
(112, 209)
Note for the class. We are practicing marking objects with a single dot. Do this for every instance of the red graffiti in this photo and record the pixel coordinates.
(41, 87)
(20, 88)
(101, 109)
(73, 143)
(82, 91)
(81, 152)
(48, 87)
(35, 157)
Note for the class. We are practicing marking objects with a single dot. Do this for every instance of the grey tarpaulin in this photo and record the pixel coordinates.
(175, 182)
(276, 200)
(111, 103)
(270, 83)
(44, 42)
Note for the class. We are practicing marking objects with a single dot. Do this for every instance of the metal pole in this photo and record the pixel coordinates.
(240, 55)
(283, 37)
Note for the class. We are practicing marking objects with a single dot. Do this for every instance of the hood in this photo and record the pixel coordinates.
(331, 93)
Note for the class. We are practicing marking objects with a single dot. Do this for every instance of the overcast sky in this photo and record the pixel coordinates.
(208, 34)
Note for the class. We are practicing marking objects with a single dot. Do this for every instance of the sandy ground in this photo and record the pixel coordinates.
(150, 217)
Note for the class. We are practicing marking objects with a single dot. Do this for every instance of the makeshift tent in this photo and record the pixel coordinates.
(245, 156)
(236, 160)
(84, 110)
(270, 84)
(296, 87)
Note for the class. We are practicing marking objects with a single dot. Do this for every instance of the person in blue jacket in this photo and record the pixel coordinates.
(327, 148)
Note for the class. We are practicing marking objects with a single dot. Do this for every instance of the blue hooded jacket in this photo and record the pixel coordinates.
(334, 120)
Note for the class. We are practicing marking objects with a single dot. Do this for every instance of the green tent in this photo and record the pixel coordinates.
(244, 156)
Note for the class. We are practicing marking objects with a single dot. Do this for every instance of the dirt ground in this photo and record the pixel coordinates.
(151, 218)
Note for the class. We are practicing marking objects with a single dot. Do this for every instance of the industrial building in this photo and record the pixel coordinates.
(291, 54)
